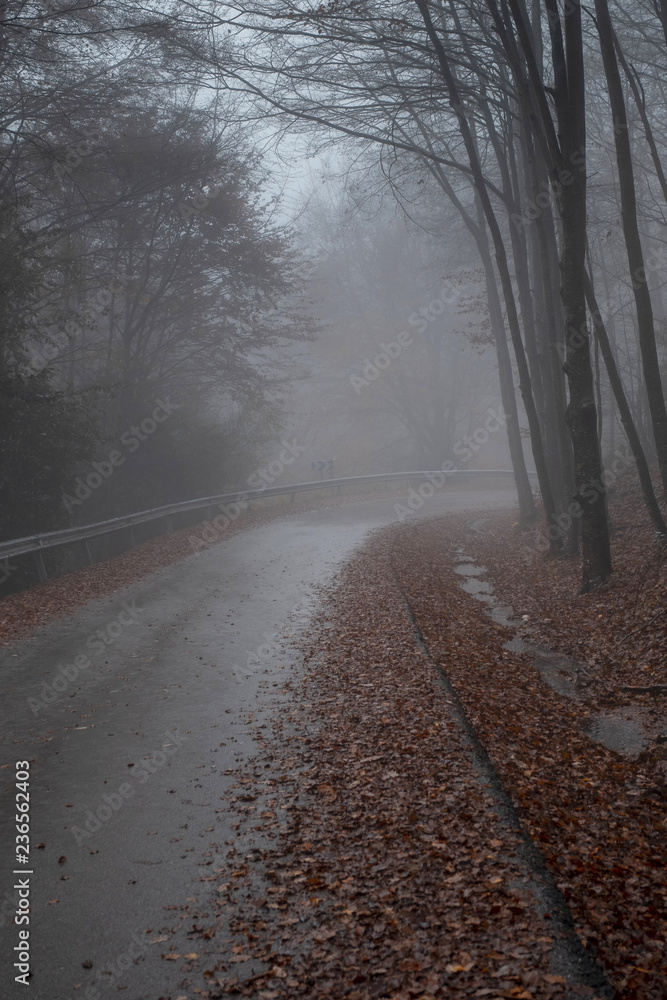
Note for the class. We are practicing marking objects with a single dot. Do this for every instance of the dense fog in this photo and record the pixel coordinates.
(390, 238)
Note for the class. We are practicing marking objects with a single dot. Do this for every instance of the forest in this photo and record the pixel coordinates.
(514, 151)
(333, 472)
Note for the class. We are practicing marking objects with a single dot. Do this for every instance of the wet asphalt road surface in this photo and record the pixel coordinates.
(129, 712)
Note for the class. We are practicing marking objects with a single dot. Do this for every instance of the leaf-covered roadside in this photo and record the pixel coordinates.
(618, 632)
(597, 816)
(371, 861)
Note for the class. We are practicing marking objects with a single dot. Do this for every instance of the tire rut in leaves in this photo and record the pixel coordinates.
(597, 816)
(371, 863)
(569, 956)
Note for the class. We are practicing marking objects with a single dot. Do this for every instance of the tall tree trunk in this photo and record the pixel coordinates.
(503, 147)
(590, 498)
(643, 304)
(661, 10)
(553, 374)
(624, 411)
(478, 231)
(564, 151)
(640, 100)
(526, 304)
(505, 279)
(527, 511)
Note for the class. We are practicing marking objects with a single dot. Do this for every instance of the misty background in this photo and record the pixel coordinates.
(226, 228)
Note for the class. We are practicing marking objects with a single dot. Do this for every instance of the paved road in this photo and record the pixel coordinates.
(129, 712)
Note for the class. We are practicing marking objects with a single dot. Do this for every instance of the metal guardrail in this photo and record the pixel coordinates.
(37, 544)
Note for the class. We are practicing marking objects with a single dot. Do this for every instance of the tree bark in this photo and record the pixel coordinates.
(564, 152)
(553, 373)
(635, 254)
(505, 279)
(590, 495)
(479, 232)
(624, 411)
(527, 510)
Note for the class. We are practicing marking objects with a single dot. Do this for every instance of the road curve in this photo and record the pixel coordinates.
(129, 712)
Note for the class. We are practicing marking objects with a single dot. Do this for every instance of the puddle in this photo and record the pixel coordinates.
(622, 733)
(503, 614)
(469, 568)
(560, 672)
(477, 587)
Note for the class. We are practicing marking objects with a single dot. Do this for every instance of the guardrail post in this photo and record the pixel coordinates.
(132, 538)
(41, 568)
(338, 488)
(89, 554)
(169, 521)
(291, 497)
